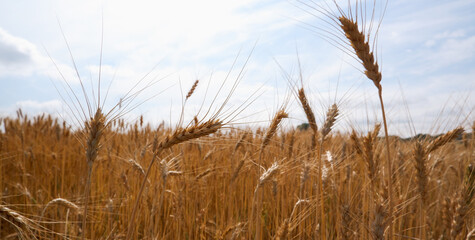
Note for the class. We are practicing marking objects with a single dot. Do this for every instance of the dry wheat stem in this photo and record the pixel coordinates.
(94, 128)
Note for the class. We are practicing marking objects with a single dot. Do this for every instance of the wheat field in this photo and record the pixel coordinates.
(206, 188)
(109, 178)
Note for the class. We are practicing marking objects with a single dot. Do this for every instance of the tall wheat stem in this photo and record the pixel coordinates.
(364, 53)
(389, 166)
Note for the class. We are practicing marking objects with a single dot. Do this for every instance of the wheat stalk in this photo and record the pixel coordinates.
(362, 50)
(94, 128)
(177, 137)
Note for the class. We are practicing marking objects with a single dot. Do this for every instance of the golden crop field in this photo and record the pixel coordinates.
(208, 187)
(113, 179)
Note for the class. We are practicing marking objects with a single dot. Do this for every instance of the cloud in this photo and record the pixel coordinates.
(14, 51)
(16, 54)
(33, 107)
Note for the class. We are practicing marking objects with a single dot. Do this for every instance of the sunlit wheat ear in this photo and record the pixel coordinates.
(362, 50)
(330, 119)
(192, 90)
(420, 163)
(308, 110)
(189, 133)
(442, 140)
(62, 202)
(281, 114)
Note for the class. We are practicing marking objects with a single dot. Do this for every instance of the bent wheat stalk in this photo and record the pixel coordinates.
(179, 136)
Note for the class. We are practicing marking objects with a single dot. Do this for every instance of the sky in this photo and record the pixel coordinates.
(269, 48)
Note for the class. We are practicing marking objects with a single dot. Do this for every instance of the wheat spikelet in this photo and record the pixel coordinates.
(239, 143)
(189, 133)
(94, 128)
(268, 174)
(204, 174)
(368, 154)
(237, 170)
(291, 145)
(308, 111)
(283, 230)
(362, 50)
(447, 216)
(136, 166)
(356, 142)
(442, 140)
(273, 127)
(376, 130)
(420, 159)
(192, 89)
(231, 229)
(208, 154)
(330, 119)
(63, 202)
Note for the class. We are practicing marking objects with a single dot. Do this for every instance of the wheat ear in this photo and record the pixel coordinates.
(330, 119)
(442, 140)
(362, 50)
(273, 128)
(308, 111)
(192, 89)
(63, 202)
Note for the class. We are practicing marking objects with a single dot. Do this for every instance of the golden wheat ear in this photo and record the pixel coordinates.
(362, 50)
